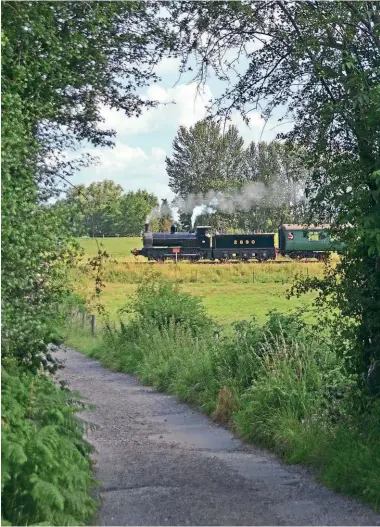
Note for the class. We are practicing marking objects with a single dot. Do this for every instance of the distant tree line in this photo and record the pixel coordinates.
(103, 209)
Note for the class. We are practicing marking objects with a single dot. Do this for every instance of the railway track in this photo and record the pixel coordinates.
(234, 262)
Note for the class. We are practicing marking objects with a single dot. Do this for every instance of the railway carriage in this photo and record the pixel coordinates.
(313, 241)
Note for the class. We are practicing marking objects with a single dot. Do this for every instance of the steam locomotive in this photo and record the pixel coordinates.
(295, 241)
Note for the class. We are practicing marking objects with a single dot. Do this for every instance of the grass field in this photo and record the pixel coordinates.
(118, 248)
(231, 292)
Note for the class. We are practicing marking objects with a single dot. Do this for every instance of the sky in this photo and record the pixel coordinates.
(137, 161)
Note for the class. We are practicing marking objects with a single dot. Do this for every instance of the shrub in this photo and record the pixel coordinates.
(46, 473)
(160, 302)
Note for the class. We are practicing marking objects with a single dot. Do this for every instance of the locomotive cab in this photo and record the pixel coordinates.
(204, 236)
(203, 231)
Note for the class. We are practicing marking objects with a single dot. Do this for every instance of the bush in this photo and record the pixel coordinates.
(46, 473)
(160, 303)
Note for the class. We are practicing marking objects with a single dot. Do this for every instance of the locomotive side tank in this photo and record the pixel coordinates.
(244, 246)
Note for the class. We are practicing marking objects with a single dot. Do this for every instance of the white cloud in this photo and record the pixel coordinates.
(252, 132)
(168, 65)
(131, 167)
(158, 154)
(180, 105)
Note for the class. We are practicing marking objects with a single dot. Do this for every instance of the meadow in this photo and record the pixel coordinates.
(229, 291)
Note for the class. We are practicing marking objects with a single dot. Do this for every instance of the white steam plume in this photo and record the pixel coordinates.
(153, 215)
(235, 200)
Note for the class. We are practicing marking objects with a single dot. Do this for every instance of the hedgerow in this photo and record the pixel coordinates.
(50, 103)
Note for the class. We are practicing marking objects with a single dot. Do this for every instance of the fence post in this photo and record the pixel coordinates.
(253, 275)
(92, 325)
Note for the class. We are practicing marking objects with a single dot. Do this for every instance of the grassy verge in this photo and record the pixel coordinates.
(276, 384)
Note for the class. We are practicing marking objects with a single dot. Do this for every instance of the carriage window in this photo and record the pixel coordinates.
(322, 235)
(312, 236)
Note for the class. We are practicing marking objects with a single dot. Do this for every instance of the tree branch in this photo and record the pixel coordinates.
(296, 28)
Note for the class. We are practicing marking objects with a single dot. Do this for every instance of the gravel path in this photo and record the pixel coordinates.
(160, 463)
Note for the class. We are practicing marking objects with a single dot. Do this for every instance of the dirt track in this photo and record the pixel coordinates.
(160, 463)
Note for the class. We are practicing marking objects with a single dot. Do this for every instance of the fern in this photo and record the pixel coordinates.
(46, 468)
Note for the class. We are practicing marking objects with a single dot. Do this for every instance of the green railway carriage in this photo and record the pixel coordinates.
(300, 241)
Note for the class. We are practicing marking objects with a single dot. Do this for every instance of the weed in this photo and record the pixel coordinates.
(224, 406)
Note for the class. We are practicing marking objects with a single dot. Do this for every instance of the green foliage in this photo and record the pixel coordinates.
(207, 161)
(93, 208)
(165, 217)
(50, 103)
(60, 63)
(279, 384)
(319, 67)
(102, 209)
(160, 303)
(203, 158)
(45, 472)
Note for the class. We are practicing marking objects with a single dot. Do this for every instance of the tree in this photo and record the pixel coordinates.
(205, 159)
(257, 188)
(134, 208)
(98, 206)
(60, 63)
(102, 209)
(320, 63)
(280, 167)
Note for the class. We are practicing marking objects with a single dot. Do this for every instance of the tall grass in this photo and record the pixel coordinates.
(183, 272)
(278, 384)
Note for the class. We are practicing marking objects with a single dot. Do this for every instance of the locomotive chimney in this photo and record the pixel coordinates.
(173, 228)
(146, 227)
